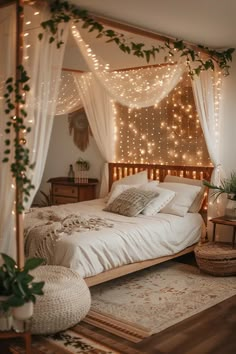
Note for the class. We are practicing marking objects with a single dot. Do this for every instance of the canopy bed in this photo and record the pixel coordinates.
(118, 244)
(44, 68)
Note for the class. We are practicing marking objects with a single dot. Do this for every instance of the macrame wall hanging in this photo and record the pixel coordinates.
(79, 128)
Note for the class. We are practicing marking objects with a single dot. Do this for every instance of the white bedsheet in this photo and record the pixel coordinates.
(131, 239)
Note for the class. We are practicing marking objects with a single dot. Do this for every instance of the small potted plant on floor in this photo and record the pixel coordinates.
(228, 186)
(18, 288)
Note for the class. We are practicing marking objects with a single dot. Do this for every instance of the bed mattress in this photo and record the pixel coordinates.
(127, 240)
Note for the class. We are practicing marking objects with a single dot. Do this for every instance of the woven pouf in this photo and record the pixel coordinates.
(216, 258)
(65, 302)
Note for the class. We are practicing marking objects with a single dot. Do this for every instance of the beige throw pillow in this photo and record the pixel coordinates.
(197, 203)
(131, 202)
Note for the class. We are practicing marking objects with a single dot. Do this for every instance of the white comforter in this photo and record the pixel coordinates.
(131, 239)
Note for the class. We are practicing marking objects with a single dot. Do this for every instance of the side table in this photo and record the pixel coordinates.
(25, 335)
(223, 221)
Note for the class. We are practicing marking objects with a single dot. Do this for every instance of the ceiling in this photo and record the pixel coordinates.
(207, 22)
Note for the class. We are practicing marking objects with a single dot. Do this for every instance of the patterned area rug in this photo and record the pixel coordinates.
(78, 340)
(147, 302)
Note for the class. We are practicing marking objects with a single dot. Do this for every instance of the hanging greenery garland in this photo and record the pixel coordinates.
(63, 11)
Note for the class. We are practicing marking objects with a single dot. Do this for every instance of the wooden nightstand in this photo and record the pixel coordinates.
(223, 221)
(64, 191)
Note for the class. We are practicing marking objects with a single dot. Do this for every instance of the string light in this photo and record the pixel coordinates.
(168, 133)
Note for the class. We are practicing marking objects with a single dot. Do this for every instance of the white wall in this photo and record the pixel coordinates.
(63, 152)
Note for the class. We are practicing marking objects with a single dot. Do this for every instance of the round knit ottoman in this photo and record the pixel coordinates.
(65, 302)
(216, 258)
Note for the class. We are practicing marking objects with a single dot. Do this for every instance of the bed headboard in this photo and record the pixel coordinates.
(158, 172)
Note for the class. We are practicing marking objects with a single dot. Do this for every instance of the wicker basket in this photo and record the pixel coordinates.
(216, 258)
(66, 300)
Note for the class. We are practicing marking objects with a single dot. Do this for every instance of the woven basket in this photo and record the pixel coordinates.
(216, 258)
(66, 300)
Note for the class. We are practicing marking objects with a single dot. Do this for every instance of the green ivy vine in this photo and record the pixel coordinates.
(63, 11)
(15, 96)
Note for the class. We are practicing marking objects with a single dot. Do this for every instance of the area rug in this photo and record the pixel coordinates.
(151, 300)
(78, 340)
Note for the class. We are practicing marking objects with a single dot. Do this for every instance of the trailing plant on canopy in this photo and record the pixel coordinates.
(15, 95)
(63, 11)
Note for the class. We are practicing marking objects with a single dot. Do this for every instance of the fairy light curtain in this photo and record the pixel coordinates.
(43, 62)
(168, 133)
(68, 99)
(7, 186)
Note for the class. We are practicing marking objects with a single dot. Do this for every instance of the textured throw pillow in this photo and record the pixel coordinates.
(131, 202)
(197, 203)
(119, 188)
(184, 197)
(164, 197)
(136, 179)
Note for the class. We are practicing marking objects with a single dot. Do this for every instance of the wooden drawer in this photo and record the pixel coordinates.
(62, 190)
(87, 192)
(63, 200)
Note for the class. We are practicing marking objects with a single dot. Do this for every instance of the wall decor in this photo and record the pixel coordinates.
(79, 128)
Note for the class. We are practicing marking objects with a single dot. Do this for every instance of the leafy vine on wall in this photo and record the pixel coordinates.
(63, 11)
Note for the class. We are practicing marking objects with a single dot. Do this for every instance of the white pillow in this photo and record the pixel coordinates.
(120, 188)
(137, 178)
(164, 197)
(197, 203)
(184, 197)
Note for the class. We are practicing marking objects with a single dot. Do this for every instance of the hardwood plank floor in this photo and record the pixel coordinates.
(212, 331)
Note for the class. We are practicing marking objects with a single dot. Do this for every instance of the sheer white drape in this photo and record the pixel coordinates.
(100, 112)
(134, 88)
(7, 191)
(207, 94)
(43, 62)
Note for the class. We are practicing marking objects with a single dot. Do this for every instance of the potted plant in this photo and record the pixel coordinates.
(83, 164)
(17, 287)
(83, 167)
(228, 186)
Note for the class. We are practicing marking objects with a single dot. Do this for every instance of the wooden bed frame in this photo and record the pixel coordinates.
(155, 172)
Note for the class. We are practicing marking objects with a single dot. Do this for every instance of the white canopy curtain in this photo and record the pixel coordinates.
(7, 190)
(100, 112)
(137, 88)
(43, 62)
(207, 94)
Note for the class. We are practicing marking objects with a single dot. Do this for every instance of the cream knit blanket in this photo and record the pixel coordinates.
(45, 228)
